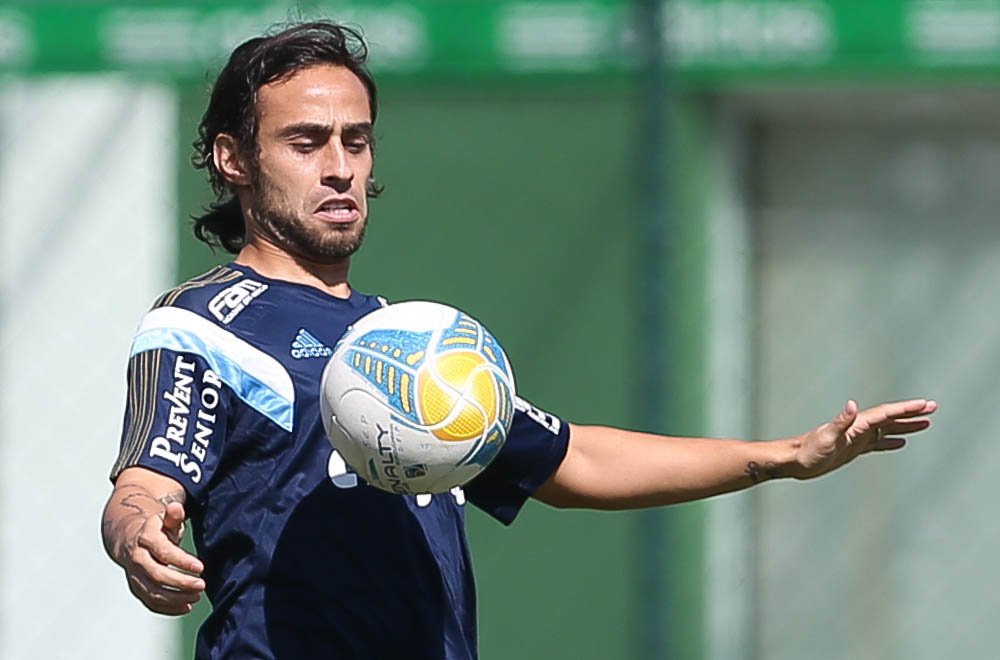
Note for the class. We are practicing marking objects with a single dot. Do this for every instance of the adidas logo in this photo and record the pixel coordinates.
(306, 346)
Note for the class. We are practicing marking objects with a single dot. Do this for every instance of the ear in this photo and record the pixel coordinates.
(226, 153)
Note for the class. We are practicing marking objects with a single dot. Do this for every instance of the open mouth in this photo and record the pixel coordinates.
(339, 210)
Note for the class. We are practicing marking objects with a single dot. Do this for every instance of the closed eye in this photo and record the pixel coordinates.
(305, 147)
(356, 146)
(357, 137)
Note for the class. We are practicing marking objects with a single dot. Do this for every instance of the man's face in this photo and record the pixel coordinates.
(314, 137)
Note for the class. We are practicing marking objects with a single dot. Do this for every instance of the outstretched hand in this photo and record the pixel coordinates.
(853, 432)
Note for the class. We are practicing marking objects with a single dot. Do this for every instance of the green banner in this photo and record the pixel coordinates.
(704, 39)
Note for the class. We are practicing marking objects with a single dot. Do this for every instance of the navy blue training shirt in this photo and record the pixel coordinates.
(302, 558)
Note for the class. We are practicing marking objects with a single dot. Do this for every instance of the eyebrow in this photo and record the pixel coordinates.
(317, 128)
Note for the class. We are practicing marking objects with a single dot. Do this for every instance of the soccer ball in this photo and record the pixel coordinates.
(417, 397)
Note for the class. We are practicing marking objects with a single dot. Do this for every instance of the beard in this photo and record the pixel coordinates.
(315, 241)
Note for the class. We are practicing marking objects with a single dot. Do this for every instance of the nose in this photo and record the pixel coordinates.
(337, 171)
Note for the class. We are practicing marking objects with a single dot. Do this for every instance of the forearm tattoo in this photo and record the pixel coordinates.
(134, 499)
(131, 500)
(139, 503)
(758, 472)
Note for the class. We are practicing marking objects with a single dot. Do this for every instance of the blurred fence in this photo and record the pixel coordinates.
(835, 243)
(87, 201)
(872, 256)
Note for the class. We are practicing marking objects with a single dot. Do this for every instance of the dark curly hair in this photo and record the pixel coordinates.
(232, 109)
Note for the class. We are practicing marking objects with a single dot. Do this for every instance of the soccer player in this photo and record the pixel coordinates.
(299, 557)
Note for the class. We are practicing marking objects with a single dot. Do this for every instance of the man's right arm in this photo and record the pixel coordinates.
(142, 528)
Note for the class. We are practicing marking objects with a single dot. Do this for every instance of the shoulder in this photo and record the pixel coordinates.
(197, 316)
(203, 317)
(221, 293)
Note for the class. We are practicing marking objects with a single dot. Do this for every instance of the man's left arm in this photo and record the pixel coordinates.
(608, 468)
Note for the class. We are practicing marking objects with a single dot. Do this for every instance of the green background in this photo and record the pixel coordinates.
(711, 42)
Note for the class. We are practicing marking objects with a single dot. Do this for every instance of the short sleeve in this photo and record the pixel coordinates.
(534, 449)
(175, 417)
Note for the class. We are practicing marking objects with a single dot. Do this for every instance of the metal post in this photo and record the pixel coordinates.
(654, 641)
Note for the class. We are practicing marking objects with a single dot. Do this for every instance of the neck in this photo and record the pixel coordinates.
(277, 264)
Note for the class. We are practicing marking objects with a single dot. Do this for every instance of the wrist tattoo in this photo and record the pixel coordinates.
(758, 472)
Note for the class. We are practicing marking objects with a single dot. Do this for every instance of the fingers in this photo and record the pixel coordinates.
(884, 423)
(160, 573)
(905, 426)
(171, 576)
(173, 521)
(888, 444)
(846, 417)
(160, 599)
(160, 539)
(899, 410)
(161, 585)
(156, 576)
(897, 418)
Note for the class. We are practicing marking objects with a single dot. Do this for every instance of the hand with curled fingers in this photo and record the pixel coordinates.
(161, 574)
(853, 432)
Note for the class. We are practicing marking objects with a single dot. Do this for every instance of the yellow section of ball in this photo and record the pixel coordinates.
(465, 379)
